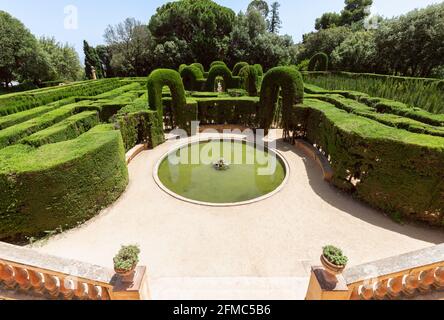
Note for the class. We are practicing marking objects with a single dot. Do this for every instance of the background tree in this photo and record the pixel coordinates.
(260, 6)
(21, 58)
(328, 20)
(130, 45)
(92, 61)
(275, 23)
(357, 53)
(63, 59)
(325, 40)
(355, 11)
(203, 24)
(105, 55)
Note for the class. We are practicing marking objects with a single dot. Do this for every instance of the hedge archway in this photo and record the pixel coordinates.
(319, 62)
(190, 76)
(238, 67)
(219, 70)
(289, 82)
(166, 77)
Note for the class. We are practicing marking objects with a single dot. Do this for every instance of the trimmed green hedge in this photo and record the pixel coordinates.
(250, 80)
(65, 130)
(393, 170)
(220, 70)
(138, 124)
(227, 110)
(284, 81)
(59, 185)
(215, 63)
(193, 78)
(427, 94)
(238, 67)
(166, 77)
(16, 118)
(13, 103)
(319, 62)
(259, 69)
(15, 133)
(391, 120)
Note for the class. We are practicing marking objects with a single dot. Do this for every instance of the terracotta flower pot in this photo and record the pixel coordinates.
(330, 267)
(125, 273)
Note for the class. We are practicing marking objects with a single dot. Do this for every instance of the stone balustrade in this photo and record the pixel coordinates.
(403, 277)
(27, 274)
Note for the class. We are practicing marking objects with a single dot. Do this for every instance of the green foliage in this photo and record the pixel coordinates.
(130, 48)
(67, 129)
(393, 170)
(127, 258)
(92, 61)
(322, 41)
(170, 78)
(357, 53)
(202, 24)
(232, 110)
(138, 124)
(250, 80)
(275, 22)
(286, 82)
(59, 185)
(215, 63)
(21, 57)
(259, 69)
(192, 78)
(328, 20)
(199, 66)
(221, 70)
(335, 256)
(426, 94)
(63, 59)
(237, 68)
(319, 62)
(16, 102)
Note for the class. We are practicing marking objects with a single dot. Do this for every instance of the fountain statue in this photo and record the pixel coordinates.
(221, 165)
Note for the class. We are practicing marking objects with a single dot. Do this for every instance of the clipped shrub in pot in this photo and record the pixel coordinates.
(333, 259)
(126, 260)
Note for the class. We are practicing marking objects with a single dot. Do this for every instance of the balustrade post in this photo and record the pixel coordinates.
(137, 289)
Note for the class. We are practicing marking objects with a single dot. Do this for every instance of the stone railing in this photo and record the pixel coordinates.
(409, 276)
(27, 274)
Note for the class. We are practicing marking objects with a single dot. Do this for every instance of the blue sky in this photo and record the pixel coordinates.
(47, 17)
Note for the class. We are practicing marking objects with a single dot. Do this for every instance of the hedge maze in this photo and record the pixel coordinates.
(62, 149)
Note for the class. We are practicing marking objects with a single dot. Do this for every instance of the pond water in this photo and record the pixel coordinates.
(248, 172)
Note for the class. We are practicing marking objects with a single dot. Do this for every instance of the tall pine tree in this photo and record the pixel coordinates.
(275, 22)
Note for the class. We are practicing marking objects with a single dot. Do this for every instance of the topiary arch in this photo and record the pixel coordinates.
(215, 63)
(190, 76)
(166, 77)
(250, 80)
(319, 62)
(238, 67)
(219, 70)
(289, 81)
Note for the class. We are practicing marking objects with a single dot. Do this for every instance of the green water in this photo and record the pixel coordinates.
(241, 182)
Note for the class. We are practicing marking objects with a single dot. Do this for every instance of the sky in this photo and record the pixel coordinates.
(57, 17)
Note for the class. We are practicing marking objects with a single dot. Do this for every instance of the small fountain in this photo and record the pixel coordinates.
(221, 165)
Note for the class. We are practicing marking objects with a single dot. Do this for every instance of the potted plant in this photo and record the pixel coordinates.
(126, 260)
(333, 260)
